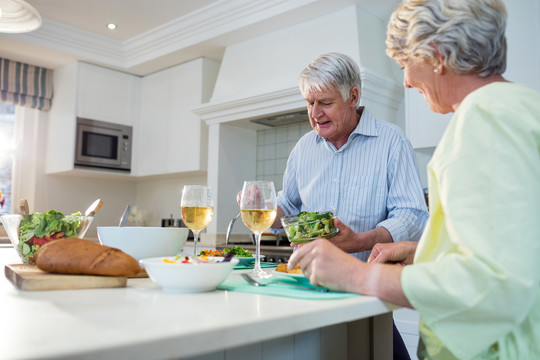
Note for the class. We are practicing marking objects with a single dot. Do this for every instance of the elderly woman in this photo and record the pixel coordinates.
(476, 271)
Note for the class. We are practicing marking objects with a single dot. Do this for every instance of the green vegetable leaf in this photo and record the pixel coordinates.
(45, 224)
(311, 225)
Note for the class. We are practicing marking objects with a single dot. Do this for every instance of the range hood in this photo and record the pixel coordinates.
(284, 119)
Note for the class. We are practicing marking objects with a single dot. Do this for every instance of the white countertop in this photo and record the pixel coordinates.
(143, 322)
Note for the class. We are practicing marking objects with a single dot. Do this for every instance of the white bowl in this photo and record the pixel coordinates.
(187, 278)
(144, 242)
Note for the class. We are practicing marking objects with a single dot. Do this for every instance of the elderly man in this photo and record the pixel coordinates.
(362, 169)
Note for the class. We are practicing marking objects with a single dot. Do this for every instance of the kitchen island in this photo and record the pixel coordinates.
(141, 321)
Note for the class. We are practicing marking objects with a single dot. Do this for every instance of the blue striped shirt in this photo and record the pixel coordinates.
(371, 181)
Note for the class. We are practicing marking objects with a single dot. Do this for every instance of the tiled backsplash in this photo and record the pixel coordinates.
(273, 148)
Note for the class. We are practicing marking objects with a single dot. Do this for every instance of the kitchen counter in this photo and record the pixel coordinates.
(143, 322)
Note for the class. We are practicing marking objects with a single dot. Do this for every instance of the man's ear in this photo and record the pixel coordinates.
(354, 96)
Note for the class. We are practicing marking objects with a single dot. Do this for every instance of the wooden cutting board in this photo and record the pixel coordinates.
(31, 278)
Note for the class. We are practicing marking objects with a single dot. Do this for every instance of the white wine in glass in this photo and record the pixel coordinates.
(197, 209)
(258, 209)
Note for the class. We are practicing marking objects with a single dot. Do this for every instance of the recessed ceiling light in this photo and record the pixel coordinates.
(111, 26)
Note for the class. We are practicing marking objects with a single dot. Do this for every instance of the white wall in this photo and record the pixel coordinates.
(231, 161)
(160, 197)
(523, 36)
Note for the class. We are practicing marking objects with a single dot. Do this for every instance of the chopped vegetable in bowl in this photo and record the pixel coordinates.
(308, 226)
(183, 259)
(237, 251)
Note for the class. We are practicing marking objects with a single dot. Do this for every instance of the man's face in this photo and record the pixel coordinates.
(330, 116)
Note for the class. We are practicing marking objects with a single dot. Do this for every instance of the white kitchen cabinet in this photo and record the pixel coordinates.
(88, 91)
(173, 138)
(107, 95)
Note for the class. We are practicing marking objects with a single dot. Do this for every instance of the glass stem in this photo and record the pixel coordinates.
(258, 252)
(195, 239)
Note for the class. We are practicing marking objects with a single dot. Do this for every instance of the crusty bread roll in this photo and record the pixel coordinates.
(84, 257)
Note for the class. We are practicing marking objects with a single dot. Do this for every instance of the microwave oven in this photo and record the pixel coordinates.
(104, 145)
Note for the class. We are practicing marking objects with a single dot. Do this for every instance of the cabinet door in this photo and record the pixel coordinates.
(423, 127)
(185, 129)
(107, 95)
(153, 129)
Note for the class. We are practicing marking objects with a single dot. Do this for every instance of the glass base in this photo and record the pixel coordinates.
(259, 274)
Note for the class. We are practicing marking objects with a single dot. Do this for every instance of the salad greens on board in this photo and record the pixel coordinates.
(39, 228)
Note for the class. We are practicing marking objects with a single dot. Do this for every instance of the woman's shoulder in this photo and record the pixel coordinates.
(503, 93)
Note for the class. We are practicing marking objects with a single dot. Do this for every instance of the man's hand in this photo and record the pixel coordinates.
(349, 241)
(346, 239)
(401, 252)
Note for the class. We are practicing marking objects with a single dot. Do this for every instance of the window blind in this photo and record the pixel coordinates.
(26, 85)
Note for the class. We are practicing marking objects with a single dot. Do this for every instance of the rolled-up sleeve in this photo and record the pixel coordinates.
(407, 209)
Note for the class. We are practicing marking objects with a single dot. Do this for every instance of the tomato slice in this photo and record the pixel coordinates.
(40, 241)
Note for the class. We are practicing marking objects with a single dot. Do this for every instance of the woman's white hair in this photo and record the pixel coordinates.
(328, 71)
(469, 34)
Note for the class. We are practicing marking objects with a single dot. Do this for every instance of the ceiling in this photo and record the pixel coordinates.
(155, 34)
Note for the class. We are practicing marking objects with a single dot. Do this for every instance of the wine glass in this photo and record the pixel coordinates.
(258, 208)
(197, 209)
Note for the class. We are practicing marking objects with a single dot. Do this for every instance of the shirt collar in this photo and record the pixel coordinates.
(366, 126)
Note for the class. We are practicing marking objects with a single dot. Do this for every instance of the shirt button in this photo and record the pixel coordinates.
(335, 180)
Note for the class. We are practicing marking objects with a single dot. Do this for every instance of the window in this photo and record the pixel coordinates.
(7, 151)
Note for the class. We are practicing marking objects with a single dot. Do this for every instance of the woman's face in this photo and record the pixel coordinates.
(420, 74)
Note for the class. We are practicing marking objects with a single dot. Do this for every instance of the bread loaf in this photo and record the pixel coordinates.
(84, 257)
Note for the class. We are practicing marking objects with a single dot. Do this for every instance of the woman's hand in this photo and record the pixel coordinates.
(326, 265)
(401, 252)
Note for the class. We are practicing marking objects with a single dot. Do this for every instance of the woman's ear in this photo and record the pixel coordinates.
(438, 62)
